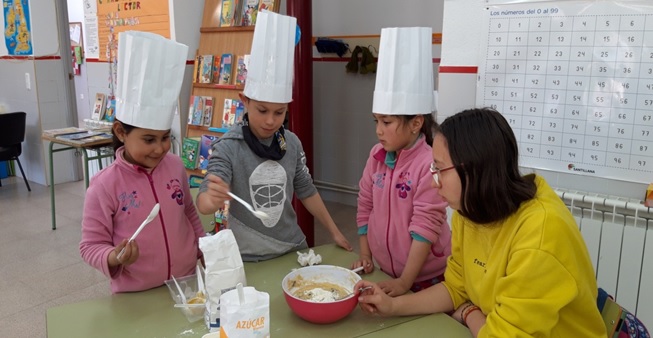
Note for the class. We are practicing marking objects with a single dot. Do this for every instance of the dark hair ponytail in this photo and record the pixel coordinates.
(427, 126)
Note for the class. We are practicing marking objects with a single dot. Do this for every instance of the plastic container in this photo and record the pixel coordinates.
(322, 312)
(195, 308)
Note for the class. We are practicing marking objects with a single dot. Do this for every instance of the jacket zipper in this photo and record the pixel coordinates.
(163, 227)
(387, 228)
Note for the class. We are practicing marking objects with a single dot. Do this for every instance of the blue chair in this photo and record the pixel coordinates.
(619, 322)
(12, 135)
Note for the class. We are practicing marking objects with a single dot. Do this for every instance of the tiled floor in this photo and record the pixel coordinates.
(41, 268)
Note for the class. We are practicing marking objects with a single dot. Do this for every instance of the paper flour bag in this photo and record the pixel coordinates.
(245, 313)
(224, 270)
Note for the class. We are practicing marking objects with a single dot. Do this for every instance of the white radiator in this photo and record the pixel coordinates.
(620, 243)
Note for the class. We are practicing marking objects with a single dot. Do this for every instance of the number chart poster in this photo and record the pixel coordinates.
(115, 16)
(575, 81)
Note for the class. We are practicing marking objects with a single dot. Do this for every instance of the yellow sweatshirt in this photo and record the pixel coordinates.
(530, 274)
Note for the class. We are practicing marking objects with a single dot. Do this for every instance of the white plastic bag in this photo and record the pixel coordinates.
(224, 270)
(246, 315)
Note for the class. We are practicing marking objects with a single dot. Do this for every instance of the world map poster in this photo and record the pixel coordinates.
(17, 29)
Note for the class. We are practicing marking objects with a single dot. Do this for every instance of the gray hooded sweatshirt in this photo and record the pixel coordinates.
(268, 186)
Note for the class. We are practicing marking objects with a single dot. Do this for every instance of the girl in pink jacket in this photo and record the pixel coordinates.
(121, 196)
(401, 218)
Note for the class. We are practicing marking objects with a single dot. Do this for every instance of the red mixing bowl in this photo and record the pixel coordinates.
(322, 312)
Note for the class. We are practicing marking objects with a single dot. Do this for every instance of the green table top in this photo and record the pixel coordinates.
(151, 313)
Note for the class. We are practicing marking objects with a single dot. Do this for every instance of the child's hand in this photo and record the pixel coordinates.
(394, 287)
(374, 300)
(365, 262)
(342, 242)
(129, 256)
(216, 192)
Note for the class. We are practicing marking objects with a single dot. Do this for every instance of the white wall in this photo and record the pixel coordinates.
(44, 102)
(342, 103)
(460, 46)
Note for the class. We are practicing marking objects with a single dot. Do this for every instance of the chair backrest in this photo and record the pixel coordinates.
(12, 128)
(619, 322)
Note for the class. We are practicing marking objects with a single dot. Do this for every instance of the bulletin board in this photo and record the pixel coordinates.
(115, 16)
(575, 81)
(75, 29)
(76, 46)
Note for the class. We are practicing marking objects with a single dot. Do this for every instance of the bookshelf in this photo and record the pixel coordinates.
(216, 40)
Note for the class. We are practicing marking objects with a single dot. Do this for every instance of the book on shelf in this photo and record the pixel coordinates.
(206, 69)
(250, 10)
(196, 68)
(217, 14)
(216, 69)
(241, 69)
(238, 13)
(190, 148)
(227, 13)
(99, 107)
(269, 5)
(238, 107)
(195, 110)
(110, 112)
(207, 116)
(206, 148)
(232, 112)
(228, 117)
(225, 69)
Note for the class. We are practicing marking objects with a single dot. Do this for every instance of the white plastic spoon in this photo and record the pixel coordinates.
(360, 290)
(200, 280)
(360, 268)
(181, 292)
(257, 213)
(241, 293)
(150, 217)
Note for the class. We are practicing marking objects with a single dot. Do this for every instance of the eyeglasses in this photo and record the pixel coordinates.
(435, 171)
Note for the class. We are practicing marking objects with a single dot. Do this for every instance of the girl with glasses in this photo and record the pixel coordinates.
(519, 266)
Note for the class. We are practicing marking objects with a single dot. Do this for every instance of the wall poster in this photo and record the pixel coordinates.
(575, 81)
(115, 16)
(17, 29)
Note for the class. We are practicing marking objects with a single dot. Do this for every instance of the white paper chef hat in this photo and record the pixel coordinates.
(404, 78)
(150, 73)
(270, 69)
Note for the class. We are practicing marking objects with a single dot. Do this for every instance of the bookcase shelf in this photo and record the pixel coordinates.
(200, 128)
(226, 29)
(217, 86)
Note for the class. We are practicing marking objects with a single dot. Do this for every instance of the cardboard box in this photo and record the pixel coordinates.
(648, 199)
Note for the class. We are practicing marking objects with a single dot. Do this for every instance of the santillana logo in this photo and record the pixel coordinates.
(573, 168)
